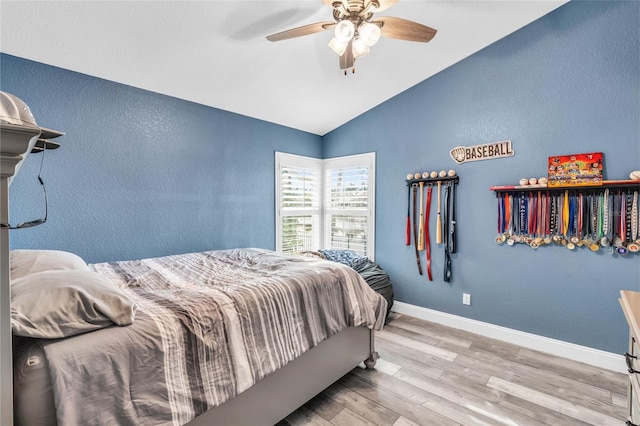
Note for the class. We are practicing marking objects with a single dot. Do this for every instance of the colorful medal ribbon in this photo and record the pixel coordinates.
(634, 217)
(565, 214)
(580, 217)
(606, 219)
(523, 215)
(623, 220)
(627, 217)
(501, 211)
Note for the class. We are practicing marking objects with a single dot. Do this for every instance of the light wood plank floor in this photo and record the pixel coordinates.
(430, 374)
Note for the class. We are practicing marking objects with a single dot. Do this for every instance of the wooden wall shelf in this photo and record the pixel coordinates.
(607, 184)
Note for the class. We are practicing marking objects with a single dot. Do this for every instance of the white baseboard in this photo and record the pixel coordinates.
(595, 357)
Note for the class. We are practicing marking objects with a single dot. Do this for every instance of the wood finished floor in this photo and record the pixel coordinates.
(429, 374)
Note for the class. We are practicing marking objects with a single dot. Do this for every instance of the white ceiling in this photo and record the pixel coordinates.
(215, 52)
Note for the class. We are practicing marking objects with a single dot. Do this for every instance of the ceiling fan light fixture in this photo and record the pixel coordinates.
(344, 31)
(338, 46)
(369, 33)
(356, 30)
(359, 48)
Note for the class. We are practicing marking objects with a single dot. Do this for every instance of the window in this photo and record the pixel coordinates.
(325, 203)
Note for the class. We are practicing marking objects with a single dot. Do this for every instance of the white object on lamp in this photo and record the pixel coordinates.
(369, 33)
(359, 47)
(344, 31)
(337, 46)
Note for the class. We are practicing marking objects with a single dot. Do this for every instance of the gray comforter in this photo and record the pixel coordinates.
(209, 325)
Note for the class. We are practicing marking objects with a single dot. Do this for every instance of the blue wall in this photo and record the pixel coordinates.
(567, 83)
(141, 174)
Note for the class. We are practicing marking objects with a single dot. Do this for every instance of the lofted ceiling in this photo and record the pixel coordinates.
(215, 52)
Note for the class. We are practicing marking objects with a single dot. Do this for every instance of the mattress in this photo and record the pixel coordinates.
(209, 325)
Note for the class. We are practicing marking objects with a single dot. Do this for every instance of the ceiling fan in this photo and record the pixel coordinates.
(355, 30)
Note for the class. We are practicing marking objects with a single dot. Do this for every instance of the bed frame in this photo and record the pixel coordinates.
(265, 403)
(283, 391)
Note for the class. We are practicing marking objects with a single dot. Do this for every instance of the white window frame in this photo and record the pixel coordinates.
(367, 159)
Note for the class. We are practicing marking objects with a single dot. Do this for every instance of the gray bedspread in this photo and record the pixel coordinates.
(209, 325)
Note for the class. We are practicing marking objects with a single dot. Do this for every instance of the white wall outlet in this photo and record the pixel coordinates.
(466, 299)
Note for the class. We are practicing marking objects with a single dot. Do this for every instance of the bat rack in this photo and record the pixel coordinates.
(445, 235)
(446, 179)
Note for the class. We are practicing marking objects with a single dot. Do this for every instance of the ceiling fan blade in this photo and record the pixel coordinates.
(403, 29)
(301, 31)
(385, 4)
(347, 60)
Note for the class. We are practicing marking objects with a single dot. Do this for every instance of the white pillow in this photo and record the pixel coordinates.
(55, 304)
(25, 262)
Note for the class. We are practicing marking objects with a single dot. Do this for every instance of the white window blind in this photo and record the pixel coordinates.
(325, 203)
(298, 204)
(349, 201)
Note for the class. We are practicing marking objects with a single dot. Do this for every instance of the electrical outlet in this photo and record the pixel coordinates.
(466, 299)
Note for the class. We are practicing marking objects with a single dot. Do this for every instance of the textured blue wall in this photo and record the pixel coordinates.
(567, 83)
(142, 174)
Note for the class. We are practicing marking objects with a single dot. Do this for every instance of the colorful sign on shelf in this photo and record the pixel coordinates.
(487, 151)
(575, 170)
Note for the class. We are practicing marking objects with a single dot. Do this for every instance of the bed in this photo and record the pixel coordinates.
(227, 337)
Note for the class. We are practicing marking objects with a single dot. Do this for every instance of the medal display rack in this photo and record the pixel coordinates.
(603, 217)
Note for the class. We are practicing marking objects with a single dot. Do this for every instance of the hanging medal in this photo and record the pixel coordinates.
(500, 238)
(593, 240)
(547, 218)
(555, 223)
(634, 245)
(627, 217)
(617, 203)
(565, 218)
(621, 247)
(610, 223)
(509, 212)
(573, 239)
(539, 217)
(586, 221)
(531, 225)
(523, 218)
(604, 242)
(579, 219)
